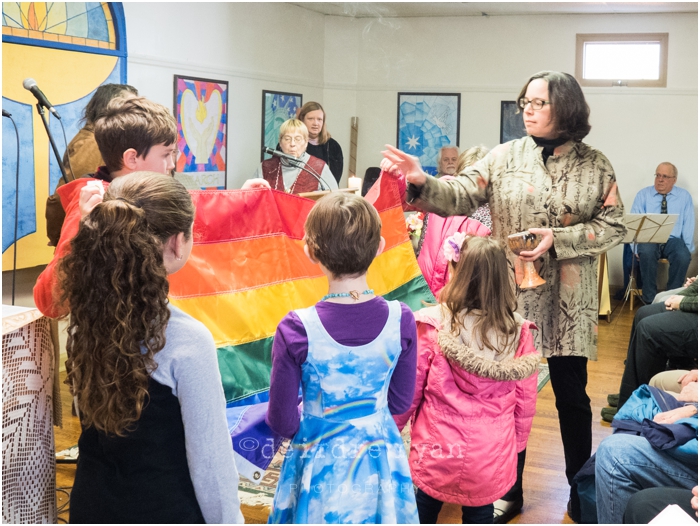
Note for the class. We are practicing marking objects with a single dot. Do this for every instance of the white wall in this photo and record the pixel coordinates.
(355, 67)
(488, 59)
(254, 46)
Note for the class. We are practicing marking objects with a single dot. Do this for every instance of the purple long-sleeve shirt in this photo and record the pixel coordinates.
(348, 324)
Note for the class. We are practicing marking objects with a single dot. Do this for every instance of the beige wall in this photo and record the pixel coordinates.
(355, 67)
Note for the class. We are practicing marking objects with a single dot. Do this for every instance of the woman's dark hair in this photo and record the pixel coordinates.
(569, 108)
(101, 98)
(481, 282)
(115, 284)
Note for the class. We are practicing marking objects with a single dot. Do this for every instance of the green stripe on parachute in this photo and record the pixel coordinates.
(245, 369)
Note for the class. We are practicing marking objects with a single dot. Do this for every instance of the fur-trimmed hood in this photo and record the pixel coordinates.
(466, 355)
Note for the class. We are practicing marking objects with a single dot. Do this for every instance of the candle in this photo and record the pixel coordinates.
(355, 183)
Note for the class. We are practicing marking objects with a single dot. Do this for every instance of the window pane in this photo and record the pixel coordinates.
(621, 60)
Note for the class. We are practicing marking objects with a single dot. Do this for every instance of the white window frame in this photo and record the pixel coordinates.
(661, 38)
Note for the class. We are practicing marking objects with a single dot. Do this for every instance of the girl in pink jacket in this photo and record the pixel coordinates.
(476, 385)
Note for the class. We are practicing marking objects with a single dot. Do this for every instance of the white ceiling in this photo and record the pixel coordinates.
(450, 9)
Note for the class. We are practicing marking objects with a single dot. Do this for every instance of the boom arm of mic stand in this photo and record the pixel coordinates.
(40, 109)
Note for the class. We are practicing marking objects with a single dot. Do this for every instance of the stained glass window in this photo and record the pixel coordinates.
(87, 24)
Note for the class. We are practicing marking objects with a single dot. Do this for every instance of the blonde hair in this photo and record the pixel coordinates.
(323, 135)
(294, 124)
(470, 156)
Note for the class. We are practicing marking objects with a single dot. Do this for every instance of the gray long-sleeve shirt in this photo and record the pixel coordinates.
(188, 365)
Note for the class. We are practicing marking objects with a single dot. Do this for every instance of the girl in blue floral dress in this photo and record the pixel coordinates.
(355, 356)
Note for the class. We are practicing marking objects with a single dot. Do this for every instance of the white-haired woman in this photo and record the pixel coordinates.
(300, 172)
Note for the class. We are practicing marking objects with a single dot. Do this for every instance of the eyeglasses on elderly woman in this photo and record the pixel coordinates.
(289, 139)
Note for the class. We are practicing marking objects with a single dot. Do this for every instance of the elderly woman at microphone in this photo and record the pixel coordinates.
(293, 170)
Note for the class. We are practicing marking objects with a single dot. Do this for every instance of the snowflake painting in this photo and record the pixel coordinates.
(426, 123)
(277, 108)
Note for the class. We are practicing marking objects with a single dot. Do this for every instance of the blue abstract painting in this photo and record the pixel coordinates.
(24, 196)
(277, 108)
(426, 123)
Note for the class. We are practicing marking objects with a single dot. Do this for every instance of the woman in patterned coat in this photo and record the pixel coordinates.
(554, 185)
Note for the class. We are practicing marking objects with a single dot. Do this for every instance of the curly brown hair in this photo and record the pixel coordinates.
(481, 281)
(116, 286)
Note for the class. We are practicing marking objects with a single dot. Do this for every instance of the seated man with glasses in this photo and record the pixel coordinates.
(296, 171)
(665, 198)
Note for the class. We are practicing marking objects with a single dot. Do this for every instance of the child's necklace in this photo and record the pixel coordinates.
(352, 294)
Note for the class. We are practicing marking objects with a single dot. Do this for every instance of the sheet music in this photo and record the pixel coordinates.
(649, 228)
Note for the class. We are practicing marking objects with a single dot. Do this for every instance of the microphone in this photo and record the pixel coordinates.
(297, 162)
(30, 85)
(6, 113)
(282, 155)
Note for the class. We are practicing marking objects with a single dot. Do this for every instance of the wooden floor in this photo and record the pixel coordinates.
(545, 486)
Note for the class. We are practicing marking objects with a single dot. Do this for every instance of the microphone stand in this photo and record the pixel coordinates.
(40, 109)
(14, 255)
(302, 166)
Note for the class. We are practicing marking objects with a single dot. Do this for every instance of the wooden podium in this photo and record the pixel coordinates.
(318, 194)
(603, 288)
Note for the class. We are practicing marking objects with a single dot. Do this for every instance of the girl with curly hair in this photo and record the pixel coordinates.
(155, 445)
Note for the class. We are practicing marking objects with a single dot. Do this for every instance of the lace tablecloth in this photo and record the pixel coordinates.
(28, 453)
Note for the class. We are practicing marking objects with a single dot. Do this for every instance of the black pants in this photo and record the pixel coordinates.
(429, 509)
(657, 336)
(516, 492)
(569, 377)
(648, 503)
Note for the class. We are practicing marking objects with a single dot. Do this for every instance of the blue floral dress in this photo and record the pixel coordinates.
(347, 462)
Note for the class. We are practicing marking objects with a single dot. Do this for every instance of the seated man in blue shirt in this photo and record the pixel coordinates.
(665, 198)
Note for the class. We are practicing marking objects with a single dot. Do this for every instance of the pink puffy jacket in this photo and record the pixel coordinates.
(472, 414)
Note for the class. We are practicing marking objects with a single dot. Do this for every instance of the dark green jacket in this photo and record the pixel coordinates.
(690, 302)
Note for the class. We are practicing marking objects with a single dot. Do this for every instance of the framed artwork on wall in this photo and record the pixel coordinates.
(277, 107)
(425, 123)
(201, 111)
(512, 125)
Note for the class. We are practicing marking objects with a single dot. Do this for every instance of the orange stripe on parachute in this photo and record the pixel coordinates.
(248, 268)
